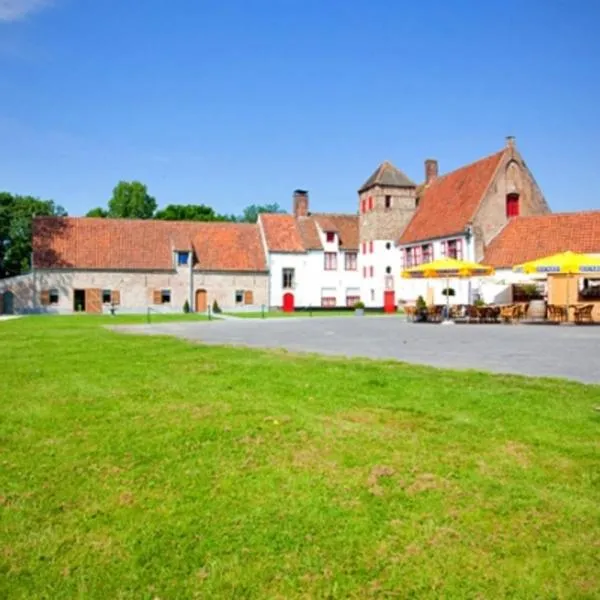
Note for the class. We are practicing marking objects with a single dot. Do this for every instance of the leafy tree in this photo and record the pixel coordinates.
(97, 212)
(250, 214)
(190, 212)
(130, 200)
(16, 216)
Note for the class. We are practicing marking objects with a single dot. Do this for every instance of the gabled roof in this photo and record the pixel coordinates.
(449, 202)
(123, 244)
(530, 238)
(286, 233)
(282, 233)
(387, 174)
(346, 226)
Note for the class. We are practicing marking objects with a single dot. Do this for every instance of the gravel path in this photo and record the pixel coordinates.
(544, 350)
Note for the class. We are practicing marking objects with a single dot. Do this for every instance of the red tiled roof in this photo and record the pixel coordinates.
(449, 202)
(346, 226)
(529, 238)
(310, 234)
(84, 243)
(282, 233)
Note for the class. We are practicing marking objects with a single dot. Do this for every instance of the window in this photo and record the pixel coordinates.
(371, 247)
(365, 272)
(53, 296)
(370, 202)
(388, 202)
(165, 296)
(364, 247)
(330, 261)
(388, 246)
(330, 237)
(388, 270)
(372, 295)
(183, 258)
(239, 296)
(350, 261)
(352, 300)
(106, 296)
(417, 255)
(427, 252)
(288, 278)
(512, 205)
(363, 206)
(328, 298)
(452, 249)
(371, 271)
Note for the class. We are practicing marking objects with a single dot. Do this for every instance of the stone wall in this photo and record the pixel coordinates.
(136, 289)
(383, 223)
(512, 176)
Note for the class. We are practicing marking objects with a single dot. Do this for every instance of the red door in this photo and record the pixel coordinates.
(389, 302)
(288, 302)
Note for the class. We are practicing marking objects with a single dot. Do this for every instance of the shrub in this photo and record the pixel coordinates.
(478, 302)
(359, 304)
(186, 307)
(421, 304)
(216, 308)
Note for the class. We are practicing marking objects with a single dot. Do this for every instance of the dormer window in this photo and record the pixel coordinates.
(330, 235)
(183, 259)
(512, 205)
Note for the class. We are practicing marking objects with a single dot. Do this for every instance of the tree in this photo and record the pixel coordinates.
(250, 214)
(190, 212)
(97, 212)
(16, 216)
(130, 200)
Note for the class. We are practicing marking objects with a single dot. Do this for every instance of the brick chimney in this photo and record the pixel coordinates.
(431, 170)
(300, 203)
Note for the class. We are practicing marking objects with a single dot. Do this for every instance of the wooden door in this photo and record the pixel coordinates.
(93, 301)
(288, 302)
(248, 297)
(389, 301)
(200, 300)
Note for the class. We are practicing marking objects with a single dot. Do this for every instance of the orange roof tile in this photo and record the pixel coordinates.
(529, 238)
(123, 244)
(309, 233)
(281, 233)
(450, 201)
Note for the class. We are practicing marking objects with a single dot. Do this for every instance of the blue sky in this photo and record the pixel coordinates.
(234, 102)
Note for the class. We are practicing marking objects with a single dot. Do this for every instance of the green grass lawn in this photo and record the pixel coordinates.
(143, 467)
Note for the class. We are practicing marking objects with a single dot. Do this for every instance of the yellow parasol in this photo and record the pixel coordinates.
(570, 263)
(564, 262)
(447, 268)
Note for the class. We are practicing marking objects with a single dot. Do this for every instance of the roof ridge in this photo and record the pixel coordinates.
(166, 221)
(440, 177)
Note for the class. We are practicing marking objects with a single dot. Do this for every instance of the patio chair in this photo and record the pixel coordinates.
(557, 313)
(494, 314)
(507, 313)
(520, 311)
(472, 314)
(583, 314)
(411, 313)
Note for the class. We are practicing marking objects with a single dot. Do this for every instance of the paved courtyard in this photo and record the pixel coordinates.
(556, 351)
